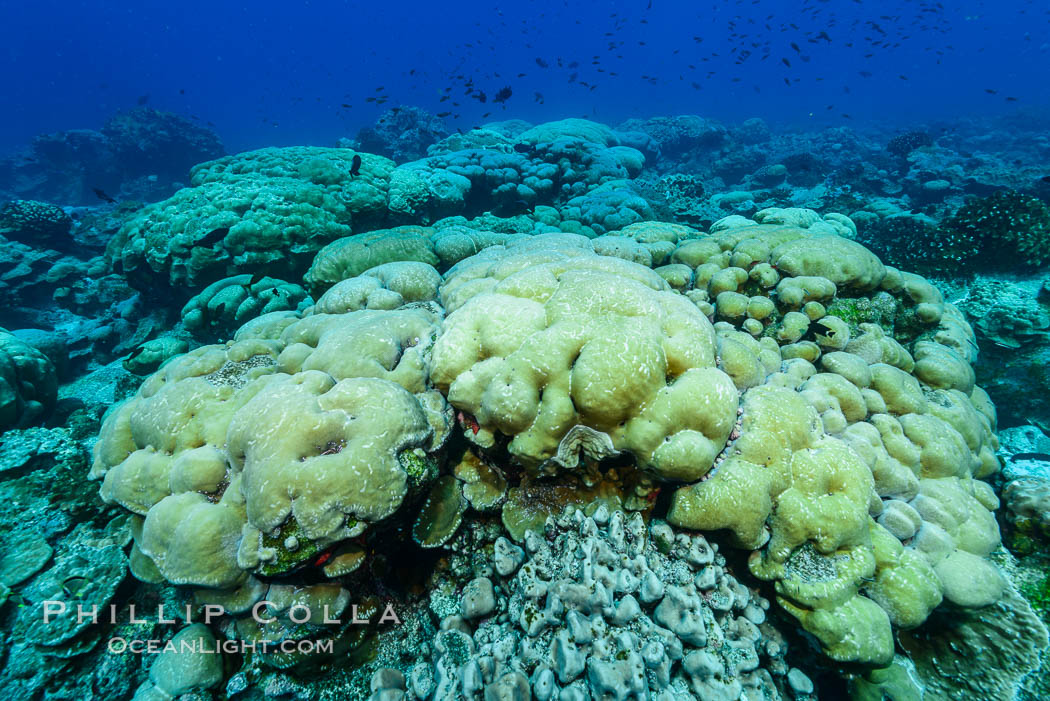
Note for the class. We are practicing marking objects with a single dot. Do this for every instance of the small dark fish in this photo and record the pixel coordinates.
(1029, 456)
(73, 587)
(527, 148)
(255, 280)
(443, 114)
(541, 63)
(102, 195)
(503, 95)
(213, 236)
(1045, 179)
(991, 92)
(143, 99)
(355, 165)
(135, 353)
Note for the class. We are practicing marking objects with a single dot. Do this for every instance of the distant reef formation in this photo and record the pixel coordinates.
(139, 154)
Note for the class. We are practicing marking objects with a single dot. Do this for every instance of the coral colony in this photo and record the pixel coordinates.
(663, 408)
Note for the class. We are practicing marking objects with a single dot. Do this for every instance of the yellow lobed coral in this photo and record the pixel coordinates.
(386, 286)
(820, 406)
(255, 455)
(873, 399)
(547, 337)
(351, 256)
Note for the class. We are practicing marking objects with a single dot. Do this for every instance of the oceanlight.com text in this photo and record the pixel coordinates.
(121, 646)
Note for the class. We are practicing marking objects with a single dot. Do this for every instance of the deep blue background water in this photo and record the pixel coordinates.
(274, 73)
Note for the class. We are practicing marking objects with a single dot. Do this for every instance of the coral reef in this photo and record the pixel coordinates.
(903, 144)
(916, 243)
(222, 307)
(162, 145)
(38, 223)
(1003, 641)
(142, 153)
(836, 392)
(1011, 318)
(681, 136)
(602, 606)
(1003, 230)
(402, 134)
(545, 346)
(262, 211)
(650, 411)
(235, 502)
(28, 383)
(269, 211)
(821, 444)
(69, 298)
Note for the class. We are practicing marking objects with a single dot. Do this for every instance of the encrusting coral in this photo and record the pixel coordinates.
(602, 606)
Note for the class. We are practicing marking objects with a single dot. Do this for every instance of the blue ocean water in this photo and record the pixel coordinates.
(275, 73)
